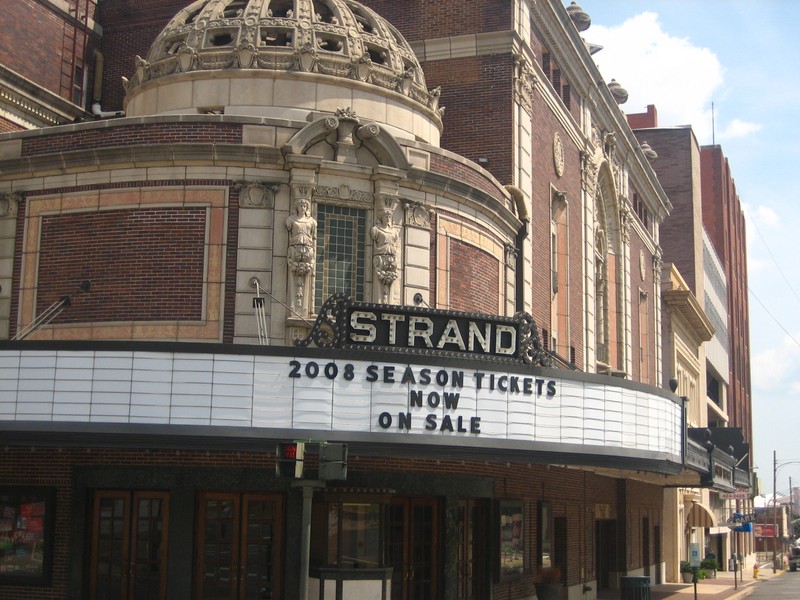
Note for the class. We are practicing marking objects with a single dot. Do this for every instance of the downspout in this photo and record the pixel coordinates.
(522, 234)
(97, 90)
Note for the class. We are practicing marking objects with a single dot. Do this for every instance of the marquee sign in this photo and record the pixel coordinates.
(344, 323)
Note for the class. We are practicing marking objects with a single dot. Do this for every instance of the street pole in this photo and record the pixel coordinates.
(790, 526)
(774, 511)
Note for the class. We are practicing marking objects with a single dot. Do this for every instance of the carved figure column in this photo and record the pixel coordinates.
(385, 247)
(302, 251)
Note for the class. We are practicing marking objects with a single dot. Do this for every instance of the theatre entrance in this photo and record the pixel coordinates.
(362, 531)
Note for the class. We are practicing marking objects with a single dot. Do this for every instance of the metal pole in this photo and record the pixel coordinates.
(305, 535)
(774, 511)
(735, 559)
(790, 526)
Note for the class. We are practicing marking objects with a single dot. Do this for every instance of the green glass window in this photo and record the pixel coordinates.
(340, 252)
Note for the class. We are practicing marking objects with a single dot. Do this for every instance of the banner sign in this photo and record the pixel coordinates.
(764, 530)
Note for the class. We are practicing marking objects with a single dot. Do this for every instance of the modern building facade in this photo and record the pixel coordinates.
(704, 377)
(270, 244)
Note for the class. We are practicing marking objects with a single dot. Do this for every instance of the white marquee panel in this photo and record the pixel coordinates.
(332, 395)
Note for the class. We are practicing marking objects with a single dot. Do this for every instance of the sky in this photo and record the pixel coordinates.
(731, 70)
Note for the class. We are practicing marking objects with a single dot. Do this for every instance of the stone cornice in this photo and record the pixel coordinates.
(150, 155)
(32, 105)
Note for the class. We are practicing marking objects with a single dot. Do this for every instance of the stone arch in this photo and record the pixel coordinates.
(340, 131)
(609, 297)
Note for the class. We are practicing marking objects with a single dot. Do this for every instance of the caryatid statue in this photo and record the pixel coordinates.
(302, 255)
(385, 237)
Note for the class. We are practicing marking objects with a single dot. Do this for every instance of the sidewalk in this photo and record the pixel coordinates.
(721, 588)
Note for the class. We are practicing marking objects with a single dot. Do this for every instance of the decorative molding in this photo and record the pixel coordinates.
(558, 155)
(256, 194)
(417, 214)
(9, 204)
(525, 81)
(343, 192)
(511, 254)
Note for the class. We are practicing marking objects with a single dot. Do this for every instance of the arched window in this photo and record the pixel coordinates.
(609, 314)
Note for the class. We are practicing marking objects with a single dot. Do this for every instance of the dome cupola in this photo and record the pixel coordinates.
(303, 47)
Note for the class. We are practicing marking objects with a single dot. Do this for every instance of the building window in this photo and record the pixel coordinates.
(354, 534)
(644, 338)
(559, 275)
(78, 85)
(641, 210)
(512, 541)
(545, 542)
(340, 252)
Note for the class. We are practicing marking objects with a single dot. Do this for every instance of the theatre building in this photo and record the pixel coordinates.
(265, 335)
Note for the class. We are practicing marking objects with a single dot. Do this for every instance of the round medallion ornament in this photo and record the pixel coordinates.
(642, 269)
(558, 155)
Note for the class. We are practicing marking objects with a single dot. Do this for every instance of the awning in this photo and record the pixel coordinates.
(700, 516)
(720, 530)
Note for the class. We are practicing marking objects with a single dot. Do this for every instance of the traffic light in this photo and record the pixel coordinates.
(333, 461)
(289, 460)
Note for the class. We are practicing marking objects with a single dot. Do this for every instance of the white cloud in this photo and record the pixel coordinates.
(738, 129)
(678, 77)
(781, 363)
(761, 216)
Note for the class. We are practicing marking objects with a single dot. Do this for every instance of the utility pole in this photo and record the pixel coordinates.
(774, 511)
(790, 526)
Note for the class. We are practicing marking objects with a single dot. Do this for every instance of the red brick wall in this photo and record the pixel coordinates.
(31, 39)
(128, 135)
(474, 279)
(8, 126)
(144, 264)
(461, 172)
(724, 221)
(477, 95)
(675, 169)
(645, 119)
(543, 127)
(129, 28)
(422, 19)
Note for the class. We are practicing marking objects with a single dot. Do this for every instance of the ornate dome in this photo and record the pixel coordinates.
(336, 38)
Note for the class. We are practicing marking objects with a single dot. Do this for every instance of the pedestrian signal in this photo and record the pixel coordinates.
(289, 460)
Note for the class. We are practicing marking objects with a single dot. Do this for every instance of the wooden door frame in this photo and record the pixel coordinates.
(130, 500)
(408, 503)
(238, 541)
(277, 541)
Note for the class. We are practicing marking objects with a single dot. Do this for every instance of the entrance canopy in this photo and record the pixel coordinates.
(700, 516)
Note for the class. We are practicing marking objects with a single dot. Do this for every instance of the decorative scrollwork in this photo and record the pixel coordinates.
(328, 328)
(531, 347)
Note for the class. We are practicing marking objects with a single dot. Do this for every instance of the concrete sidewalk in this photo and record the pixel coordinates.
(721, 588)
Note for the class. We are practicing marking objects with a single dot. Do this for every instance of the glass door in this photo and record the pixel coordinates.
(239, 544)
(412, 547)
(128, 556)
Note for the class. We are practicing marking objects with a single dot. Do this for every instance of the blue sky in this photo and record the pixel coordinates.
(742, 57)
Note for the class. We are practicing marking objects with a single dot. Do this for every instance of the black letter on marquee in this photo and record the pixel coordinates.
(404, 420)
(416, 398)
(385, 420)
(372, 373)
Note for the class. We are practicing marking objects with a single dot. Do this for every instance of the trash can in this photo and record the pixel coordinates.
(634, 588)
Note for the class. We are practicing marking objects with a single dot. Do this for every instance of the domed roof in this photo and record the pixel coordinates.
(338, 38)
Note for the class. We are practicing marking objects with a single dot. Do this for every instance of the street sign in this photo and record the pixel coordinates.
(737, 519)
(738, 495)
(694, 554)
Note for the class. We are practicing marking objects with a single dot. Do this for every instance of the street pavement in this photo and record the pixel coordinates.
(721, 588)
